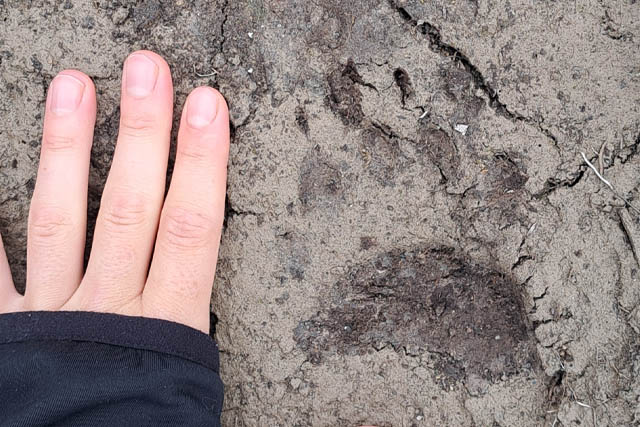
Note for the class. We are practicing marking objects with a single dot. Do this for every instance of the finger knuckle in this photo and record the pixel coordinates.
(57, 142)
(188, 289)
(116, 263)
(176, 302)
(192, 153)
(137, 125)
(125, 212)
(49, 223)
(186, 228)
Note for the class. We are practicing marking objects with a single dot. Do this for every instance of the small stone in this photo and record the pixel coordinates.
(295, 383)
(462, 128)
(250, 35)
(250, 71)
(120, 15)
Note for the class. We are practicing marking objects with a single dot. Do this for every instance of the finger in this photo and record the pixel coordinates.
(58, 214)
(132, 199)
(184, 261)
(9, 297)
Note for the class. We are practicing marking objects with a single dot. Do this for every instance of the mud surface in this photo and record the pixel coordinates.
(425, 299)
(405, 186)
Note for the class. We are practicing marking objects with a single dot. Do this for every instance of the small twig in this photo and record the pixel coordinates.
(608, 184)
(195, 71)
(617, 372)
(630, 230)
(575, 399)
(601, 158)
(597, 173)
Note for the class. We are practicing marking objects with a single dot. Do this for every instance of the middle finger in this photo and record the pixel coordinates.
(133, 195)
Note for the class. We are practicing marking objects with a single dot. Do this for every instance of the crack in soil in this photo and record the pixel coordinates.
(553, 184)
(633, 151)
(223, 36)
(231, 212)
(433, 35)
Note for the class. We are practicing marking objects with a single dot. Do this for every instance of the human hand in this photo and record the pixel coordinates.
(135, 221)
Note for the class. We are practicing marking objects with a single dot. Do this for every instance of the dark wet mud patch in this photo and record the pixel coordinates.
(302, 120)
(344, 97)
(381, 154)
(402, 79)
(508, 172)
(321, 182)
(426, 299)
(436, 146)
(459, 86)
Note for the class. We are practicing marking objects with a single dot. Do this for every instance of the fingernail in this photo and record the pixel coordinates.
(202, 108)
(66, 94)
(141, 74)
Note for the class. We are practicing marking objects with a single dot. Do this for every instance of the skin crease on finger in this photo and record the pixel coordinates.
(186, 227)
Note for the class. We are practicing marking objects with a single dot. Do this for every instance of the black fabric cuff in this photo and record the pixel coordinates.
(142, 333)
(98, 369)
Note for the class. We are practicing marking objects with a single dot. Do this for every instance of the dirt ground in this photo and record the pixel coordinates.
(412, 235)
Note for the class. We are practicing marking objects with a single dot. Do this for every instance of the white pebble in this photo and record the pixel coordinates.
(462, 128)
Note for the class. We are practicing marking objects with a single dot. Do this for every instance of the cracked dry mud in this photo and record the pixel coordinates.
(381, 262)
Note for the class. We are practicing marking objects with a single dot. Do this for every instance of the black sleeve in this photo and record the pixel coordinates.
(97, 369)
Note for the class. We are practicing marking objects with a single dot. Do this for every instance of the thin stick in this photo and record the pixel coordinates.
(601, 158)
(203, 75)
(617, 372)
(597, 173)
(630, 230)
(608, 184)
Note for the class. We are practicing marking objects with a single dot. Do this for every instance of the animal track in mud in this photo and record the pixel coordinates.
(432, 299)
(320, 182)
(344, 97)
(382, 154)
(508, 172)
(441, 151)
(402, 79)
